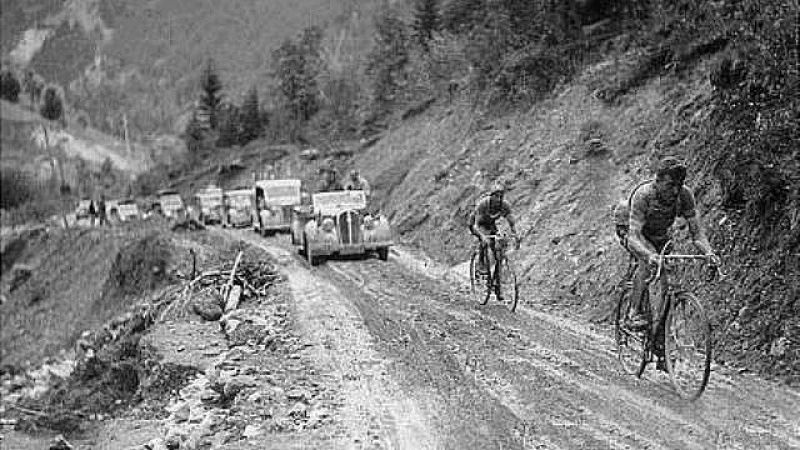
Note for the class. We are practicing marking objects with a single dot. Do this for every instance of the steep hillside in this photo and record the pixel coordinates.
(430, 170)
(144, 59)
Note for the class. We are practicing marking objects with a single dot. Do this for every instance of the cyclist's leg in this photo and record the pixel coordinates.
(483, 260)
(640, 277)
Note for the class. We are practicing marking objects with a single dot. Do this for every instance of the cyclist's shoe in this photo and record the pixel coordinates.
(481, 270)
(661, 364)
(498, 295)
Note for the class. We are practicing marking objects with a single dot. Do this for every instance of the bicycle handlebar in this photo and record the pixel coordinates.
(663, 257)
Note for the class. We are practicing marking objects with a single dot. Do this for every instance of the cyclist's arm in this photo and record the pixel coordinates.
(512, 224)
(637, 243)
(473, 227)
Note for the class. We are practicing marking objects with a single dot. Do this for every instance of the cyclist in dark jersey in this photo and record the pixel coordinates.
(643, 223)
(483, 224)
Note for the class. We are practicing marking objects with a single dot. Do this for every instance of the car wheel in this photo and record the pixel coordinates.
(383, 253)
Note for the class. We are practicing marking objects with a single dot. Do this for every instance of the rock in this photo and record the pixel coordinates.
(236, 385)
(174, 439)
(60, 443)
(778, 348)
(209, 396)
(252, 431)
(298, 394)
(231, 326)
(182, 413)
(156, 444)
(207, 308)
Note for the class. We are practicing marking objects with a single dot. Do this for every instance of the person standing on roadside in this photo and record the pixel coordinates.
(92, 211)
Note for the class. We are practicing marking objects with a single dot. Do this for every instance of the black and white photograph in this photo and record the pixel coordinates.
(399, 224)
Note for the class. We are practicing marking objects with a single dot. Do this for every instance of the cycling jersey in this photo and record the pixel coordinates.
(656, 214)
(487, 212)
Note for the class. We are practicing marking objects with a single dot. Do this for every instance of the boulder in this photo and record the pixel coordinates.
(207, 308)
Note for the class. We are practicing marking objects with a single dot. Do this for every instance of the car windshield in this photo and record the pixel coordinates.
(239, 201)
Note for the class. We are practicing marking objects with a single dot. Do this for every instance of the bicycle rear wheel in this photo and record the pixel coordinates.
(478, 284)
(631, 344)
(508, 284)
(688, 346)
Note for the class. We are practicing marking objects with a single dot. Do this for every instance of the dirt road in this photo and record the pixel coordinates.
(430, 368)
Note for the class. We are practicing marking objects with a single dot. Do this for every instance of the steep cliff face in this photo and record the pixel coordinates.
(430, 170)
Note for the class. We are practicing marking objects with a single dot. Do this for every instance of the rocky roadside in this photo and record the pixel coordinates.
(207, 376)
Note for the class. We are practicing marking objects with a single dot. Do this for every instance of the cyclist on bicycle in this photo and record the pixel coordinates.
(482, 224)
(643, 223)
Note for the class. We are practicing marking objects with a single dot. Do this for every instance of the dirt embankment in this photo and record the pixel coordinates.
(75, 280)
(429, 171)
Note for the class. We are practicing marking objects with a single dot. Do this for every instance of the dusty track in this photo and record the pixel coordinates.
(431, 368)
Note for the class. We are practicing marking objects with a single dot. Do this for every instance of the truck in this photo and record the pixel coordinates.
(211, 204)
(171, 204)
(238, 207)
(274, 201)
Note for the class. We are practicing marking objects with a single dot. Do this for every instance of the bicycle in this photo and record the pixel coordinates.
(507, 279)
(682, 333)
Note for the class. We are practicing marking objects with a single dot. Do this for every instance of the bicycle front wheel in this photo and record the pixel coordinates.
(631, 344)
(688, 346)
(478, 283)
(508, 284)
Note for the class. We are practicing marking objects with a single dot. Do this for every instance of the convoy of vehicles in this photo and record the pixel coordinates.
(338, 224)
(274, 200)
(323, 225)
(122, 210)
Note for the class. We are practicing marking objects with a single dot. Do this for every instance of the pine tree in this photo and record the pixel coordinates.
(9, 86)
(251, 117)
(230, 126)
(211, 98)
(53, 107)
(426, 21)
(193, 135)
(298, 64)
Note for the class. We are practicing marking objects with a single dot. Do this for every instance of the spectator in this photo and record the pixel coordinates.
(329, 181)
(356, 182)
(92, 211)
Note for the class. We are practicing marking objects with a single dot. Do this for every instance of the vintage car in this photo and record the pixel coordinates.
(337, 224)
(274, 200)
(238, 207)
(211, 205)
(171, 204)
(82, 211)
(128, 210)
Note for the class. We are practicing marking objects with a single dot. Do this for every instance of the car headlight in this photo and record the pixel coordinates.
(327, 224)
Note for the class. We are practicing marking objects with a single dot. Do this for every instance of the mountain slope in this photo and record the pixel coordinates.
(430, 170)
